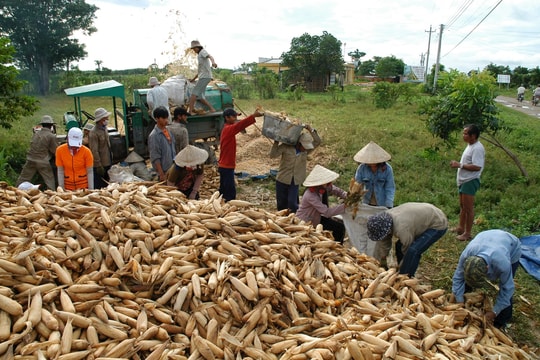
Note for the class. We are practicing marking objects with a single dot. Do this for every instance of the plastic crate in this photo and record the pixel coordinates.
(281, 130)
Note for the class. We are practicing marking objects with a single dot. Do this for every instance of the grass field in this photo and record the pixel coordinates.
(506, 200)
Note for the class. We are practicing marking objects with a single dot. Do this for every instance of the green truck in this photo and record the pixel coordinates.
(132, 122)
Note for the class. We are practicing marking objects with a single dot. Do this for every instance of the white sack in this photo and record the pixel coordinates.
(176, 87)
(357, 227)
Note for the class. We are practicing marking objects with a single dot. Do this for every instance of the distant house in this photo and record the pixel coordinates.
(271, 64)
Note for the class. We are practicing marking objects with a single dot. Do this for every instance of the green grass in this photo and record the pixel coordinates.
(421, 169)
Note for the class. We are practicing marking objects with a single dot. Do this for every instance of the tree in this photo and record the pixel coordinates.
(389, 66)
(461, 100)
(313, 57)
(368, 67)
(12, 104)
(41, 32)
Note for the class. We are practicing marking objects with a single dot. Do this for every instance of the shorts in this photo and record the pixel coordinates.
(470, 187)
(200, 87)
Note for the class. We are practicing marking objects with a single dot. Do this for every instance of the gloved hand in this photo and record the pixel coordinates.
(100, 170)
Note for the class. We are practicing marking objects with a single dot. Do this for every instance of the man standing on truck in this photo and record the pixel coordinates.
(227, 150)
(204, 73)
(157, 96)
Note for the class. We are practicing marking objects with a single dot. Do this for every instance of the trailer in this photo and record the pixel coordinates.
(132, 122)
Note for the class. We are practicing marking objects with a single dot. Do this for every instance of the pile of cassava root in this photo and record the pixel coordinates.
(135, 271)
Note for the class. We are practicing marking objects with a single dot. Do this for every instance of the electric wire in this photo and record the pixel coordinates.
(470, 32)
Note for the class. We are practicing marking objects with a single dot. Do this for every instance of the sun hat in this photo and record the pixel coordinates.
(195, 44)
(27, 186)
(99, 114)
(133, 157)
(88, 126)
(230, 112)
(475, 271)
(320, 176)
(153, 81)
(191, 156)
(75, 137)
(306, 141)
(379, 226)
(46, 119)
(372, 154)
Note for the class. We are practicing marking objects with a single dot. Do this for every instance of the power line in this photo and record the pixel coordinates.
(470, 32)
(459, 12)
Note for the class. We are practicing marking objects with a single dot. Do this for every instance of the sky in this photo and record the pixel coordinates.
(476, 33)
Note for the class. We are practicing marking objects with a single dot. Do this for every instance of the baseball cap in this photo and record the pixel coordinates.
(306, 141)
(75, 137)
(475, 272)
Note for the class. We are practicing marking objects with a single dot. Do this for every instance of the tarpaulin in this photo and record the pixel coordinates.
(530, 255)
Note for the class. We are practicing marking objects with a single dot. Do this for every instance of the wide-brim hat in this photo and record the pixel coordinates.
(320, 176)
(100, 114)
(46, 119)
(75, 137)
(306, 140)
(153, 81)
(195, 44)
(379, 226)
(475, 272)
(28, 186)
(372, 154)
(133, 157)
(191, 156)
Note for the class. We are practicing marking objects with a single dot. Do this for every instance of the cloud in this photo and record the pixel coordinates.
(136, 33)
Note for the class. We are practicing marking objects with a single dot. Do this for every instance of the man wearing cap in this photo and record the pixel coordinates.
(416, 226)
(493, 255)
(187, 172)
(75, 162)
(227, 150)
(178, 128)
(38, 159)
(99, 143)
(156, 96)
(314, 206)
(204, 73)
(292, 168)
(161, 144)
(376, 174)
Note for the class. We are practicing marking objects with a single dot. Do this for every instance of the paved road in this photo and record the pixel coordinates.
(525, 107)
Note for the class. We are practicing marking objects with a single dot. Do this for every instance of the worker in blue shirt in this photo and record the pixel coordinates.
(493, 255)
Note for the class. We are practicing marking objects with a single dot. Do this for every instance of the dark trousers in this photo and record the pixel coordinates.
(101, 181)
(411, 259)
(287, 196)
(506, 314)
(337, 228)
(227, 186)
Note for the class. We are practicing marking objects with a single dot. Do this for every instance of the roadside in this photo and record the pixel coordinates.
(524, 107)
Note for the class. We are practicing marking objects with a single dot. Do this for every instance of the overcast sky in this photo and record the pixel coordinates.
(135, 33)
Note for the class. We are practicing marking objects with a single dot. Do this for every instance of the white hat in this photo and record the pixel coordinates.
(191, 156)
(153, 81)
(88, 126)
(372, 154)
(306, 140)
(99, 114)
(46, 119)
(320, 176)
(28, 186)
(133, 157)
(75, 137)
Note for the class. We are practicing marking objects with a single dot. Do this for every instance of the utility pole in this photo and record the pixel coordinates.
(435, 78)
(427, 56)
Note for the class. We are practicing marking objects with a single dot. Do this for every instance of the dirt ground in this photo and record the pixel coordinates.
(524, 107)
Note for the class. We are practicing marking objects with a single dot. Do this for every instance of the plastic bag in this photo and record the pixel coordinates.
(120, 174)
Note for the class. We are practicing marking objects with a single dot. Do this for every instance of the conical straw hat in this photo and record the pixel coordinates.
(372, 154)
(320, 176)
(191, 156)
(133, 157)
